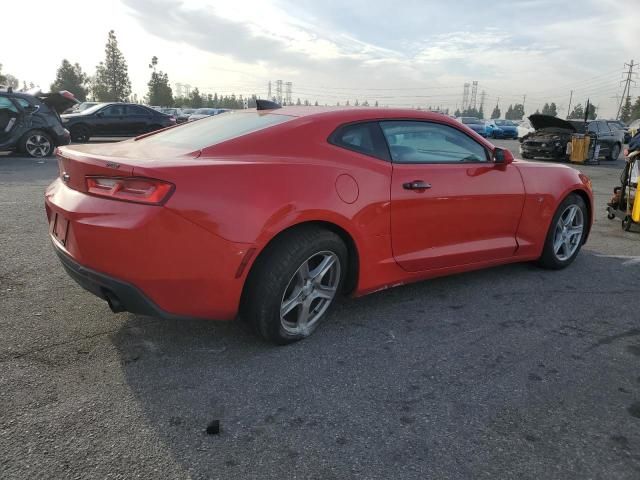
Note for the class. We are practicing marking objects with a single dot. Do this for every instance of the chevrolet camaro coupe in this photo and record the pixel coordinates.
(269, 214)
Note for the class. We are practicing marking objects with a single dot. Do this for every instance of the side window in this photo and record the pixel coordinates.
(426, 142)
(134, 110)
(114, 111)
(593, 127)
(363, 138)
(6, 104)
(23, 103)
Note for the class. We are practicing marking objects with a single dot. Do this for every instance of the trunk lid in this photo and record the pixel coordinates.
(57, 101)
(120, 159)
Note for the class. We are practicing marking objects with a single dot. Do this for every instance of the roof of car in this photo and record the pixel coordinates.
(358, 113)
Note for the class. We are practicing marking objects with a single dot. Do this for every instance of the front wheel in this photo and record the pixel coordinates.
(566, 233)
(294, 283)
(615, 153)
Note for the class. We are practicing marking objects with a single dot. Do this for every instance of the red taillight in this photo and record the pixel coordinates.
(132, 189)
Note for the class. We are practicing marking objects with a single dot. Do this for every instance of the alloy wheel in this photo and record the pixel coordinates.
(568, 232)
(309, 293)
(38, 146)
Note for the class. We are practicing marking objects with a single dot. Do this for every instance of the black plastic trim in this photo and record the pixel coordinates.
(129, 297)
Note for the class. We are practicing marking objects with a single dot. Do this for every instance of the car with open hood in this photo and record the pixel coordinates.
(552, 134)
(30, 121)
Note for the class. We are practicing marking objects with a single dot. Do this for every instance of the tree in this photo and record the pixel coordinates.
(625, 113)
(509, 114)
(592, 115)
(195, 99)
(376, 104)
(71, 78)
(496, 112)
(577, 113)
(11, 81)
(457, 113)
(3, 78)
(160, 92)
(357, 104)
(112, 82)
(553, 109)
(481, 112)
(315, 104)
(299, 102)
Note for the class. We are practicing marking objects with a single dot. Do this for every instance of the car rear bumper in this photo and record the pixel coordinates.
(145, 259)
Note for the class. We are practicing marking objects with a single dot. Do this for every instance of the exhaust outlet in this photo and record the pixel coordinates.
(114, 303)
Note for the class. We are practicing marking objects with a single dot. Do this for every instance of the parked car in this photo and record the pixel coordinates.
(114, 120)
(176, 113)
(474, 124)
(185, 113)
(30, 122)
(201, 113)
(283, 210)
(552, 134)
(501, 129)
(524, 128)
(620, 125)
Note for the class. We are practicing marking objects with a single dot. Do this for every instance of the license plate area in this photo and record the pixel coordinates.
(60, 228)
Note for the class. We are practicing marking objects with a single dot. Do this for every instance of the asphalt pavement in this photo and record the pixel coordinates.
(509, 373)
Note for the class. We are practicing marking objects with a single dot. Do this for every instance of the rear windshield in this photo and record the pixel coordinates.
(209, 131)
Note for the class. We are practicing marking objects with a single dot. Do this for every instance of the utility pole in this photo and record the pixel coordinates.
(474, 92)
(269, 91)
(627, 86)
(524, 99)
(569, 108)
(482, 97)
(465, 96)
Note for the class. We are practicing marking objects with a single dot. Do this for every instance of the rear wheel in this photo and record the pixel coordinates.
(80, 134)
(566, 233)
(294, 283)
(36, 144)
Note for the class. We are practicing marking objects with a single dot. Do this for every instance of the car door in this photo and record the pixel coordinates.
(111, 120)
(11, 119)
(450, 204)
(138, 119)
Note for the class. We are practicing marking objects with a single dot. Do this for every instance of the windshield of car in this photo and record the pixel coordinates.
(170, 111)
(470, 120)
(215, 129)
(505, 123)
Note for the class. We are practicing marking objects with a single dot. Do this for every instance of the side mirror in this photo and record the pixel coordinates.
(502, 156)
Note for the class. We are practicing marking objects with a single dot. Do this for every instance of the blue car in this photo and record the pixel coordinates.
(501, 129)
(474, 124)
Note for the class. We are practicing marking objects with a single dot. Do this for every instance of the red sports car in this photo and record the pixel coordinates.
(271, 213)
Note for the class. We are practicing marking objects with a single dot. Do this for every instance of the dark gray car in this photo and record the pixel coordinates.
(30, 121)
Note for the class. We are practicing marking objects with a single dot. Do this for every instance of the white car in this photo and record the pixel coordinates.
(524, 127)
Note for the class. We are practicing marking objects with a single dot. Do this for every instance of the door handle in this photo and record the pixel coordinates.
(416, 185)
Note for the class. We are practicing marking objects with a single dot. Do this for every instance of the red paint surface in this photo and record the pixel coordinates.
(242, 193)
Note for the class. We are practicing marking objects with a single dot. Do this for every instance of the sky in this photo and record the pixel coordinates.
(414, 53)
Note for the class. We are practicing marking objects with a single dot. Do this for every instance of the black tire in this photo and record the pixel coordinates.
(611, 216)
(549, 258)
(271, 276)
(80, 133)
(36, 144)
(614, 153)
(626, 223)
